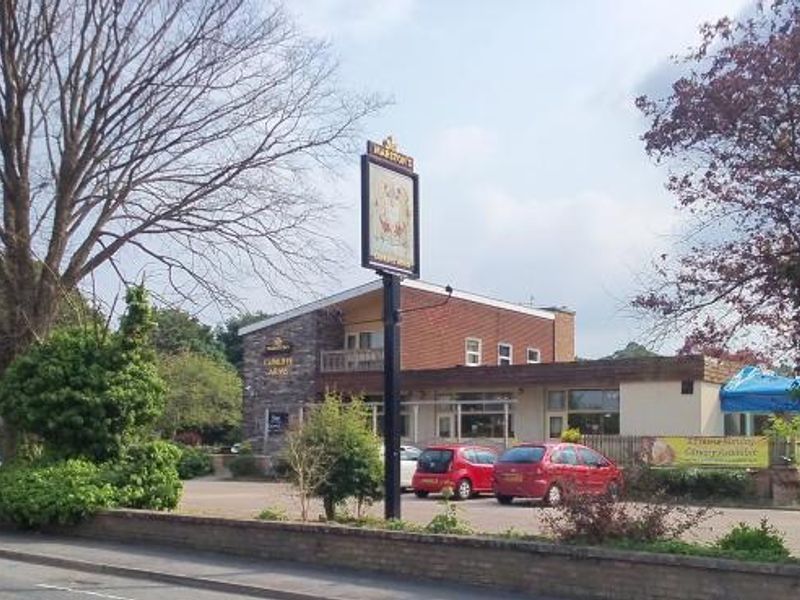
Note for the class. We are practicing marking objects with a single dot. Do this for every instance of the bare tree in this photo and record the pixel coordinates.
(180, 132)
(309, 466)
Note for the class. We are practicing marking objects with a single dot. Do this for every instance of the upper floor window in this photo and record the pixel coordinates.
(364, 340)
(504, 354)
(473, 352)
(534, 356)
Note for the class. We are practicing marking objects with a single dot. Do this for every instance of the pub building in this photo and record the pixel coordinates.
(473, 369)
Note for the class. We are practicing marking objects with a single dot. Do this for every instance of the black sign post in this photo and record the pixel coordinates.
(391, 394)
(390, 246)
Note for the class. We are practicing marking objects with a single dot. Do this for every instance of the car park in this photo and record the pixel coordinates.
(549, 471)
(465, 469)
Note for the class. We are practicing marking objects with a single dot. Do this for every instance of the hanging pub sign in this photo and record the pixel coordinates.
(389, 211)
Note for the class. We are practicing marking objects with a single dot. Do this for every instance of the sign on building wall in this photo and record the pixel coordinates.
(389, 210)
(742, 452)
(278, 359)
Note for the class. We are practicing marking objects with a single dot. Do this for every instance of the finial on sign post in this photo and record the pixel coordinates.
(389, 143)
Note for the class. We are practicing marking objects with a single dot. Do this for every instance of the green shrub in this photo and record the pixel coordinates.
(194, 462)
(146, 476)
(273, 514)
(245, 465)
(759, 543)
(62, 493)
(448, 521)
(571, 435)
(695, 484)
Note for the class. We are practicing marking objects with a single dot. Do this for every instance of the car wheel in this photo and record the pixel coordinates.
(421, 493)
(554, 496)
(504, 499)
(463, 489)
(613, 490)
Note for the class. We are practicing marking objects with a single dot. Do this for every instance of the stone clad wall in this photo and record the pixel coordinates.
(537, 568)
(308, 334)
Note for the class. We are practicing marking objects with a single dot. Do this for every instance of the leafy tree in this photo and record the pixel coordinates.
(177, 331)
(338, 437)
(729, 133)
(632, 350)
(203, 393)
(86, 391)
(228, 336)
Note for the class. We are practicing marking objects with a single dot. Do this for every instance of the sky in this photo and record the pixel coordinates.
(535, 186)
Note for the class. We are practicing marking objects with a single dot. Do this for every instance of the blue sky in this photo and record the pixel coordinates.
(521, 117)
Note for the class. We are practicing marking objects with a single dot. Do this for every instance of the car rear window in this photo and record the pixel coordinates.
(434, 461)
(524, 454)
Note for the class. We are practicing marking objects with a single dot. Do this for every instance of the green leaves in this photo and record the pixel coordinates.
(86, 392)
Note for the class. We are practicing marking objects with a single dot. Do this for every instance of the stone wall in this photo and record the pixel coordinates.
(284, 393)
(535, 568)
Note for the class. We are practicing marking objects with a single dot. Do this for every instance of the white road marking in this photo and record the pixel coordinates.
(74, 591)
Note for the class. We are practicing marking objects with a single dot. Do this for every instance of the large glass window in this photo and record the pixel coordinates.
(599, 423)
(607, 400)
(485, 425)
(556, 401)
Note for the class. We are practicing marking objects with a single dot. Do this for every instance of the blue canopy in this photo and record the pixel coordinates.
(754, 390)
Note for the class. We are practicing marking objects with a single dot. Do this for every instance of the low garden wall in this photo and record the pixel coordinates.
(532, 567)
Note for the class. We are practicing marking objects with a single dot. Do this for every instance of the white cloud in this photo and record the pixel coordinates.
(354, 19)
(460, 149)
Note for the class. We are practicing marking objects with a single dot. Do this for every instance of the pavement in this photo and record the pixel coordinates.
(245, 500)
(53, 568)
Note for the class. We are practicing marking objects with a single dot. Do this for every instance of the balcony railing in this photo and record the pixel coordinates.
(343, 361)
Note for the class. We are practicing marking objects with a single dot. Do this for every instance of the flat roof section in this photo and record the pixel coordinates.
(589, 372)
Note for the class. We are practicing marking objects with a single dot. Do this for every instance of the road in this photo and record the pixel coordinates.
(20, 580)
(246, 499)
(101, 570)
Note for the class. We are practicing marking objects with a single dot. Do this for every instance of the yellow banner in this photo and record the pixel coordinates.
(742, 452)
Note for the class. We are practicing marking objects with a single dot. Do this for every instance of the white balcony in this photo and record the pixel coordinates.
(344, 361)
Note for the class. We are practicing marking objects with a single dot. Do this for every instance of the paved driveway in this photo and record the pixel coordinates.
(245, 500)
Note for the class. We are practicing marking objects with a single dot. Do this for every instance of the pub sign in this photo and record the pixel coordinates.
(389, 211)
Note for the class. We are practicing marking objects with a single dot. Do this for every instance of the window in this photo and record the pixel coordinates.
(534, 356)
(352, 341)
(523, 455)
(473, 351)
(504, 354)
(556, 401)
(556, 426)
(370, 339)
(485, 457)
(591, 458)
(445, 426)
(471, 455)
(565, 456)
(593, 411)
(486, 425)
(687, 387)
(410, 453)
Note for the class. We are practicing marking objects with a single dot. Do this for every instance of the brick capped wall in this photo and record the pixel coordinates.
(536, 568)
(434, 338)
(564, 334)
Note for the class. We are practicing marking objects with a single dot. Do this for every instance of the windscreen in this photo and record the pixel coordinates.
(434, 461)
(523, 454)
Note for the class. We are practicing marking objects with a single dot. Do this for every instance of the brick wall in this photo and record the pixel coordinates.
(434, 338)
(564, 334)
(308, 334)
(531, 567)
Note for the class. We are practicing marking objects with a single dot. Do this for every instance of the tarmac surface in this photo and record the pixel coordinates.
(54, 568)
(245, 500)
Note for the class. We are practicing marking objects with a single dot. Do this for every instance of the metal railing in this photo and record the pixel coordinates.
(344, 361)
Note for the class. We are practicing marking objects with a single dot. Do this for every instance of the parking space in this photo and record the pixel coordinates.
(245, 500)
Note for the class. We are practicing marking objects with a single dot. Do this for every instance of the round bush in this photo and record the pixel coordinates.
(194, 463)
(146, 476)
(245, 465)
(62, 493)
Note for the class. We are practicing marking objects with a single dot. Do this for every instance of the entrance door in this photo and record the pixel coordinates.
(445, 426)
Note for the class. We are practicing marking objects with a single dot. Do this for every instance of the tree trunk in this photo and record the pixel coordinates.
(330, 508)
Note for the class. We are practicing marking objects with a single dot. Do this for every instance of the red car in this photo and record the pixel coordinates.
(467, 470)
(548, 471)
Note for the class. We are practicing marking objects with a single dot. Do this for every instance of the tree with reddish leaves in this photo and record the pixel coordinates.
(728, 133)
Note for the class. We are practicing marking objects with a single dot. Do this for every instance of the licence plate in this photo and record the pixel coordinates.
(512, 477)
(430, 481)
